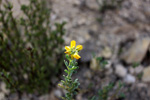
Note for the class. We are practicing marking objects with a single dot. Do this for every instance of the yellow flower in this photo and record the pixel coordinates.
(76, 56)
(79, 47)
(73, 50)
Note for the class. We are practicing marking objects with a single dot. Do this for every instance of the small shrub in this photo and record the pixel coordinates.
(30, 51)
(104, 93)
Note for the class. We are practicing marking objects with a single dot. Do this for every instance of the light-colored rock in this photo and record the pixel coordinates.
(107, 53)
(2, 96)
(3, 88)
(129, 79)
(92, 4)
(82, 21)
(146, 74)
(137, 51)
(108, 66)
(142, 85)
(120, 70)
(44, 97)
(93, 64)
(57, 93)
(136, 70)
(76, 2)
(139, 69)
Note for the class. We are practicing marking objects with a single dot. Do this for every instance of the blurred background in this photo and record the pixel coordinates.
(115, 35)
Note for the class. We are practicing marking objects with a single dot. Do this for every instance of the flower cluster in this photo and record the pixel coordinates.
(69, 84)
(73, 50)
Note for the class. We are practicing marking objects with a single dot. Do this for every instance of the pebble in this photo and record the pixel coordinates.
(146, 74)
(3, 88)
(137, 51)
(107, 53)
(139, 69)
(2, 96)
(129, 79)
(44, 97)
(108, 66)
(120, 70)
(93, 64)
(142, 85)
(57, 93)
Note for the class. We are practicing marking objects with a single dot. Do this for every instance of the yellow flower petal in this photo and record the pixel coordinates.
(73, 43)
(67, 48)
(79, 47)
(66, 51)
(76, 56)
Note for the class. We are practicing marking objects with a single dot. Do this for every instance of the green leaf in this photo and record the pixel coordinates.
(66, 71)
(70, 66)
(66, 63)
(93, 98)
(135, 64)
(99, 58)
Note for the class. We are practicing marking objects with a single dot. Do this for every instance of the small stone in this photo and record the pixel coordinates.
(146, 74)
(141, 85)
(2, 96)
(137, 51)
(4, 89)
(108, 66)
(93, 64)
(25, 76)
(44, 97)
(57, 93)
(120, 70)
(129, 79)
(82, 21)
(139, 69)
(92, 4)
(107, 52)
(76, 2)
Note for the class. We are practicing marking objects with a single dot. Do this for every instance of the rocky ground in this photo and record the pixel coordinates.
(119, 32)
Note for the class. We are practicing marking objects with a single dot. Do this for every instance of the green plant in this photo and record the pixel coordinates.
(102, 63)
(30, 51)
(68, 83)
(135, 64)
(104, 93)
